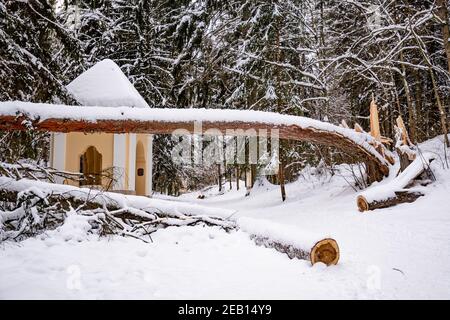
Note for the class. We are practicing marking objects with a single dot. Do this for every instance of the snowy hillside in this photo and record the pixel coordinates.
(399, 252)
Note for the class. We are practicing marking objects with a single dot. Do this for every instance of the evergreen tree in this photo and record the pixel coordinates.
(33, 49)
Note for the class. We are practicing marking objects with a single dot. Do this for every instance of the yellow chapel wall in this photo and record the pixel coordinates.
(77, 143)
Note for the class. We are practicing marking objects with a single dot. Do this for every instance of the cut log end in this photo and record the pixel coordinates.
(400, 197)
(362, 204)
(325, 251)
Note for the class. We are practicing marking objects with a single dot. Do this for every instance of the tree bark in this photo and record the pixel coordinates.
(252, 174)
(419, 105)
(237, 177)
(245, 178)
(442, 113)
(281, 180)
(411, 111)
(443, 15)
(219, 177)
(405, 161)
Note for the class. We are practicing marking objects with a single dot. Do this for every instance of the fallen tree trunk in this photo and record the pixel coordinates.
(325, 251)
(395, 191)
(400, 197)
(291, 241)
(57, 118)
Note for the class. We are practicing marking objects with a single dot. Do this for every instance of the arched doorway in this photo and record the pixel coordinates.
(141, 166)
(91, 167)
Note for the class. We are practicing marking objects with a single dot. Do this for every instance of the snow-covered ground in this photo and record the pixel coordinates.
(399, 252)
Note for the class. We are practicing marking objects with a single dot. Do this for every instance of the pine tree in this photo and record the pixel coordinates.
(33, 48)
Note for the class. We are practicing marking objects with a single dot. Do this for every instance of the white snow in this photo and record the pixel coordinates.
(181, 263)
(395, 253)
(104, 84)
(282, 233)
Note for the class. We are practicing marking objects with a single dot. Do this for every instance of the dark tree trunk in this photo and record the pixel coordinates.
(219, 177)
(443, 15)
(281, 180)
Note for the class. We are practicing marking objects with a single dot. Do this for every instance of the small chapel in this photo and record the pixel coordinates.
(114, 162)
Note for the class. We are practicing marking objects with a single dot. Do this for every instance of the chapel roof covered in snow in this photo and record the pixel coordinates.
(104, 84)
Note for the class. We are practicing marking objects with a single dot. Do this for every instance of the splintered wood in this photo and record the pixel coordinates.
(374, 121)
(376, 134)
(405, 148)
